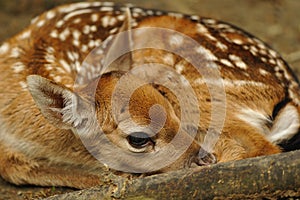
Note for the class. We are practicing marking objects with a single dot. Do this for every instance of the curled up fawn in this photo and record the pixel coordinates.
(94, 85)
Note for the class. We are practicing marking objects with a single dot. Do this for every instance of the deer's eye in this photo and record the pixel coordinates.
(139, 140)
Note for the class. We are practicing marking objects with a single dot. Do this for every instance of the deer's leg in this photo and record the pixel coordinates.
(243, 143)
(19, 170)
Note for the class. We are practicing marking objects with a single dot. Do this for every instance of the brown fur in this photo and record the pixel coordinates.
(39, 147)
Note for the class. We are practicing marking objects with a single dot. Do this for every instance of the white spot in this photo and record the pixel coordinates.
(150, 12)
(96, 4)
(263, 51)
(60, 70)
(77, 12)
(158, 12)
(245, 47)
(169, 59)
(226, 62)
(109, 4)
(91, 43)
(108, 21)
(77, 21)
(250, 40)
(263, 72)
(98, 42)
(177, 15)
(15, 52)
(63, 35)
(120, 17)
(209, 21)
(50, 14)
(202, 29)
(4, 48)
(94, 17)
(71, 7)
(114, 30)
(59, 23)
(253, 48)
(135, 14)
(229, 83)
(72, 55)
(84, 48)
(207, 53)
(263, 59)
(261, 45)
(76, 43)
(176, 40)
(223, 26)
(199, 81)
(48, 67)
(26, 34)
(65, 65)
(93, 28)
(242, 83)
(50, 49)
(34, 20)
(23, 85)
(57, 79)
(212, 38)
(179, 68)
(54, 34)
(77, 66)
(99, 51)
(272, 61)
(49, 58)
(221, 46)
(238, 61)
(237, 41)
(273, 53)
(86, 29)
(195, 17)
(241, 64)
(277, 74)
(138, 10)
(76, 34)
(134, 24)
(18, 67)
(106, 9)
(40, 23)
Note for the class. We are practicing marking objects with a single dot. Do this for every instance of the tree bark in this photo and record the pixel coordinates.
(275, 176)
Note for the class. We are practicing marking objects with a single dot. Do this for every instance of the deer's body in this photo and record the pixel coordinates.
(39, 141)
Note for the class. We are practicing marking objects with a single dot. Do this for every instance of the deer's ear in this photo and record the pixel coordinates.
(119, 55)
(59, 105)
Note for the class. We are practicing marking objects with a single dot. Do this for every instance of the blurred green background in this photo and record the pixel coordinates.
(277, 22)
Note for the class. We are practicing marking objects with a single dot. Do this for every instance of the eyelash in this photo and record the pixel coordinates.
(139, 140)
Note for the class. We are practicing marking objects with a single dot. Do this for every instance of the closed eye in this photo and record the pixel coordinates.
(139, 140)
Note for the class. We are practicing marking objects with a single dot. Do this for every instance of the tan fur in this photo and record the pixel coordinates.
(40, 138)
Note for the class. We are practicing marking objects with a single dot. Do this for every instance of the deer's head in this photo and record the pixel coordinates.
(140, 122)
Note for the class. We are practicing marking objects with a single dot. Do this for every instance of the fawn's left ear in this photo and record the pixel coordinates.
(59, 105)
(119, 55)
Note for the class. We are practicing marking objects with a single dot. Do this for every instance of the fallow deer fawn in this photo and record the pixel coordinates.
(49, 98)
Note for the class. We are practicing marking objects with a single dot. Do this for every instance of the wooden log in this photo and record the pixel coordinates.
(275, 176)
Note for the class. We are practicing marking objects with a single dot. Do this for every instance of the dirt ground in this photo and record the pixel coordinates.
(274, 21)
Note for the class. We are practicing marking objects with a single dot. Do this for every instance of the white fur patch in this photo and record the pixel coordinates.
(285, 125)
(255, 118)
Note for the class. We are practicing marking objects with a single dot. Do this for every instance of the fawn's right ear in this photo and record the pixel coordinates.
(59, 105)
(121, 46)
